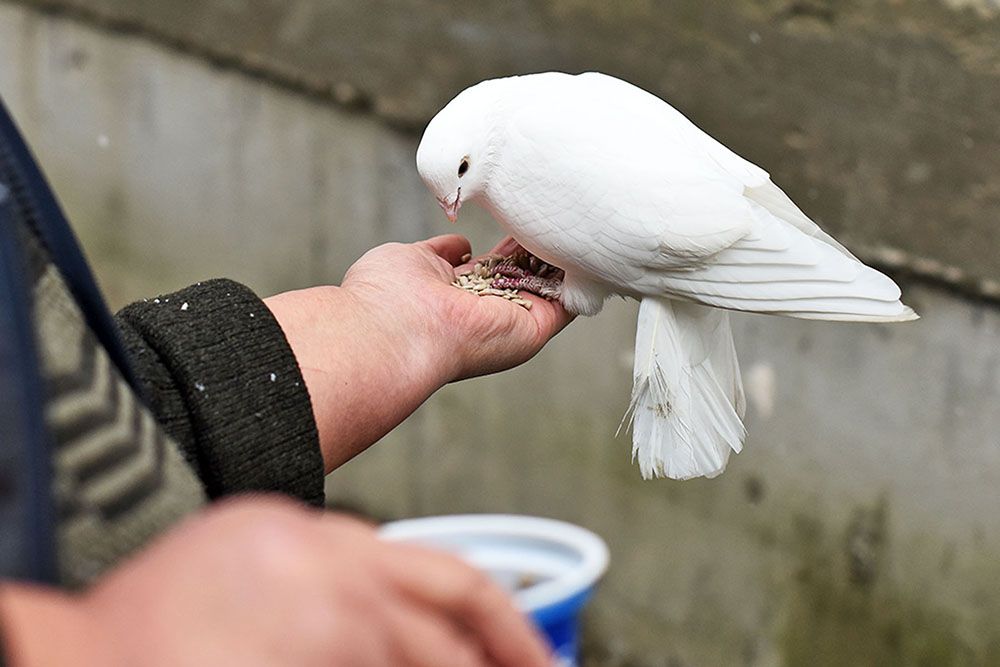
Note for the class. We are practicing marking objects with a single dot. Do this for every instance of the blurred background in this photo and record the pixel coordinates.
(273, 142)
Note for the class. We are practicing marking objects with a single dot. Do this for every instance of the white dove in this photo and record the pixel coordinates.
(626, 195)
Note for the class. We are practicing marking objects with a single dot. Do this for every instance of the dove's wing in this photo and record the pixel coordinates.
(625, 188)
(611, 189)
(757, 183)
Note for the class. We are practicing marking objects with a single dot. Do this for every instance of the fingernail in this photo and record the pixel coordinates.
(466, 257)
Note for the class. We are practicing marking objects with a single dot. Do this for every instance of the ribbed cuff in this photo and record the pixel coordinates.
(224, 382)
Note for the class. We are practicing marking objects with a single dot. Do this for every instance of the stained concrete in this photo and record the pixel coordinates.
(858, 527)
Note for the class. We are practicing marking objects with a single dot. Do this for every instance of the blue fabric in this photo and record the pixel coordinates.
(27, 547)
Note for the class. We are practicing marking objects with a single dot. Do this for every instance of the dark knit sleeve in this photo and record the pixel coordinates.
(222, 380)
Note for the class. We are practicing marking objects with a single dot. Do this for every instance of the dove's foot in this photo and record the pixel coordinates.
(524, 272)
(519, 264)
(547, 288)
(506, 275)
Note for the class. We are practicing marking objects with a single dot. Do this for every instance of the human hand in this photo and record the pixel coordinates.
(372, 350)
(266, 582)
(466, 334)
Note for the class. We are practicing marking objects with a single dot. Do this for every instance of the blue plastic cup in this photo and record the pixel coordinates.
(550, 567)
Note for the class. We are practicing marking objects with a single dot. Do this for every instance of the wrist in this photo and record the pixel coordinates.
(366, 363)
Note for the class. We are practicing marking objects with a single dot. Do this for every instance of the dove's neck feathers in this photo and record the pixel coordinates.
(485, 112)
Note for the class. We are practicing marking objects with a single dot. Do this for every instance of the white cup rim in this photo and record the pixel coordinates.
(592, 549)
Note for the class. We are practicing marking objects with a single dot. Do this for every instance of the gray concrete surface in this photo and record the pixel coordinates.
(859, 527)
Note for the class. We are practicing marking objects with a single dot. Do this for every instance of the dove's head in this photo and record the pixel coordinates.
(455, 156)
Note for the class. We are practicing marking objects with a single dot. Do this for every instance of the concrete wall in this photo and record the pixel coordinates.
(858, 527)
(881, 116)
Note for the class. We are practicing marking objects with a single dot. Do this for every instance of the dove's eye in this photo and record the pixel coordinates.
(462, 168)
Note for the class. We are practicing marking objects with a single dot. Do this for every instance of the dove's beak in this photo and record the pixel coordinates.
(451, 208)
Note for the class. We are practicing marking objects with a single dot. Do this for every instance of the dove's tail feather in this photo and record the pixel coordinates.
(687, 398)
(782, 269)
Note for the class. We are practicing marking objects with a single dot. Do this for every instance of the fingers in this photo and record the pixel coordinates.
(451, 247)
(442, 582)
(446, 596)
(425, 640)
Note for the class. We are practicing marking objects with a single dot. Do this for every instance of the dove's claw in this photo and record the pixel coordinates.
(547, 288)
(506, 268)
(524, 272)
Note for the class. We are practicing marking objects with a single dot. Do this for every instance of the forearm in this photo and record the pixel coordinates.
(372, 350)
(363, 377)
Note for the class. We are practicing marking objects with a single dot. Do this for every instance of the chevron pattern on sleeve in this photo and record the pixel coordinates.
(118, 479)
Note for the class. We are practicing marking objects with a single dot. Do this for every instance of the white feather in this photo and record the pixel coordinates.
(687, 397)
(778, 269)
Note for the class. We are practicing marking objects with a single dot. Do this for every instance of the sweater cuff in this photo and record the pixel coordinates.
(224, 381)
